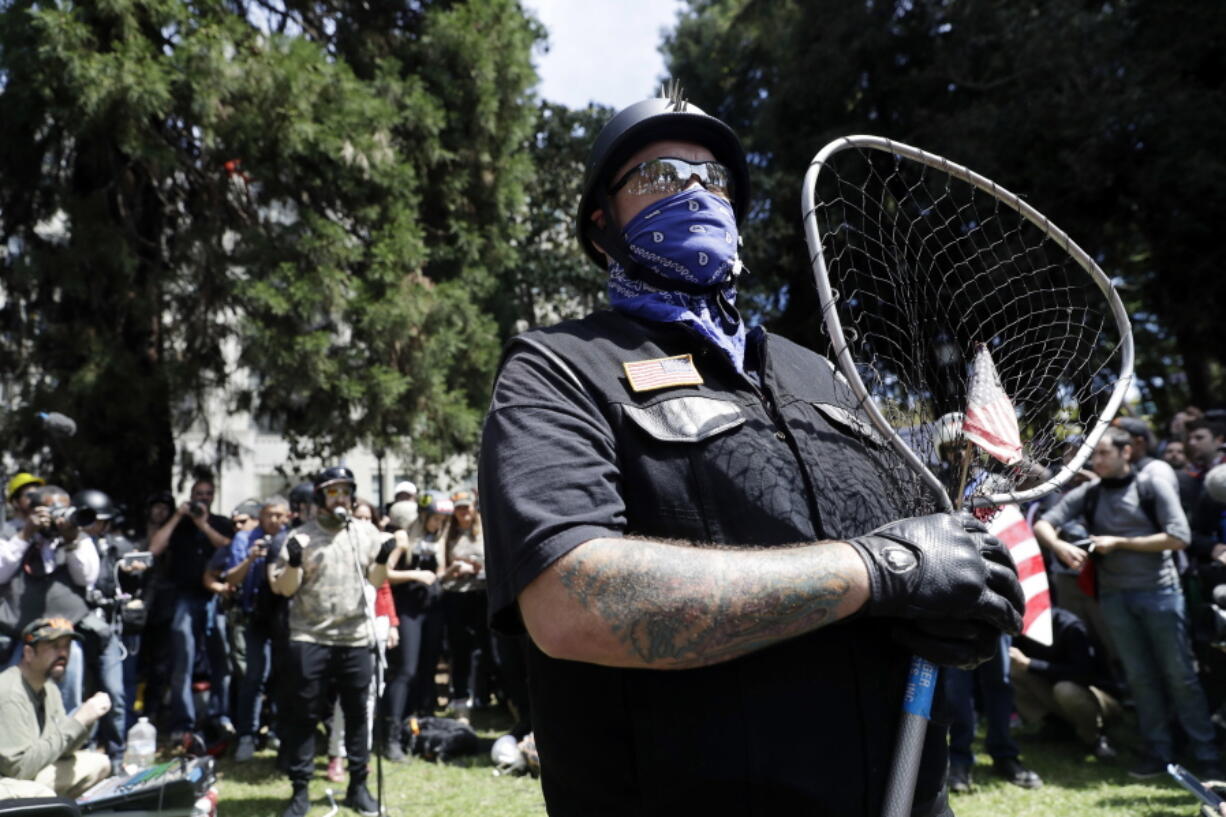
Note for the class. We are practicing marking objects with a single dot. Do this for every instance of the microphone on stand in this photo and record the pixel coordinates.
(342, 513)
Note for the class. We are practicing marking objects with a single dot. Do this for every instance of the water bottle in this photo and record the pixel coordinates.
(142, 744)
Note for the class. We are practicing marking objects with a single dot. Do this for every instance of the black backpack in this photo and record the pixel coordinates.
(440, 739)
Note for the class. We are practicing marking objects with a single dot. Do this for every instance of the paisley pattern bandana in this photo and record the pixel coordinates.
(689, 237)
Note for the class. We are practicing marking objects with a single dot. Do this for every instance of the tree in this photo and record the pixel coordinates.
(553, 279)
(1085, 109)
(319, 196)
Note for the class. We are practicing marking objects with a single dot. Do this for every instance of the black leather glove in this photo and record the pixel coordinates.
(941, 566)
(293, 552)
(950, 643)
(385, 551)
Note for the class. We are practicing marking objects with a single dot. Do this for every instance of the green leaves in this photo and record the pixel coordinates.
(1084, 109)
(304, 212)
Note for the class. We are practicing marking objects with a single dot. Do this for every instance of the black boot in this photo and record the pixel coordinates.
(392, 748)
(299, 802)
(360, 800)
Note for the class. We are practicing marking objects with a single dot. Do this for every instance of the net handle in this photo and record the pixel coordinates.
(834, 326)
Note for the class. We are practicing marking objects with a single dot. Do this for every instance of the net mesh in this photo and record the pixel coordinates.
(926, 268)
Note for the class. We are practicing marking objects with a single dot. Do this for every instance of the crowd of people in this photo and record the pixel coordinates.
(1133, 548)
(210, 624)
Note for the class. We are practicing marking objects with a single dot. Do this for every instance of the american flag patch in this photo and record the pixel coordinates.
(662, 373)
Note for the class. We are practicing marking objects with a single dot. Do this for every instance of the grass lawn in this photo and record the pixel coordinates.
(1074, 786)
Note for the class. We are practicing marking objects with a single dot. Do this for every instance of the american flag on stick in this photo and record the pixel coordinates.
(990, 422)
(1011, 528)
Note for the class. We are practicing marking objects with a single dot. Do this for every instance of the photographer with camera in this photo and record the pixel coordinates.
(117, 597)
(189, 539)
(246, 571)
(55, 563)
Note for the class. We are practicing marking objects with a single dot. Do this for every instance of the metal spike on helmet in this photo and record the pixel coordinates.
(674, 93)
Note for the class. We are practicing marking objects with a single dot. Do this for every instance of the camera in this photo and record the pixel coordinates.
(77, 517)
(197, 508)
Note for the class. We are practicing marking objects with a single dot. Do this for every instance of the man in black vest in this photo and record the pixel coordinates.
(689, 518)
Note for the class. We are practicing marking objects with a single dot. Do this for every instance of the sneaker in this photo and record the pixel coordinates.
(359, 799)
(336, 769)
(1148, 767)
(299, 802)
(960, 779)
(1012, 771)
(1103, 750)
(245, 750)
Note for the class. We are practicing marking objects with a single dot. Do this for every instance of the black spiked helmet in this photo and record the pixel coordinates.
(668, 116)
(96, 501)
(332, 475)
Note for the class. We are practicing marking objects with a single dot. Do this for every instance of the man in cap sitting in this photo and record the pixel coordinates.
(39, 743)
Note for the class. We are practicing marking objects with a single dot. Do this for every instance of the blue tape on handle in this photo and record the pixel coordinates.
(921, 685)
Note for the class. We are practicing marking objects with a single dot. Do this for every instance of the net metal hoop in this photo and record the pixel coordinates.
(834, 326)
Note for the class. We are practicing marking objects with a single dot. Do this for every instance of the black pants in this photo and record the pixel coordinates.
(310, 670)
(468, 637)
(410, 684)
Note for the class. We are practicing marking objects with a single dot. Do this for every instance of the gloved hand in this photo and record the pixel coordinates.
(941, 566)
(950, 643)
(293, 552)
(385, 551)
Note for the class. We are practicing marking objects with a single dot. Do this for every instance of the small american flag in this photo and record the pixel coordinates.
(990, 422)
(662, 373)
(1010, 527)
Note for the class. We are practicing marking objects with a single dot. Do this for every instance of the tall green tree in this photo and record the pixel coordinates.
(317, 199)
(553, 279)
(1101, 114)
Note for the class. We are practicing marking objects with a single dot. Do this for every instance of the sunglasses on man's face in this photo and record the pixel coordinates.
(667, 175)
(338, 490)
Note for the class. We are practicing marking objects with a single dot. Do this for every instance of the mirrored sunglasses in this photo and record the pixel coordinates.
(338, 490)
(667, 175)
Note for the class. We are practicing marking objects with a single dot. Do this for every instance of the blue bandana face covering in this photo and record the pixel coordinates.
(688, 237)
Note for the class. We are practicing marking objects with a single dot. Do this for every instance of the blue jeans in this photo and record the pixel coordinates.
(112, 728)
(992, 679)
(187, 628)
(73, 682)
(217, 648)
(131, 679)
(250, 691)
(1150, 629)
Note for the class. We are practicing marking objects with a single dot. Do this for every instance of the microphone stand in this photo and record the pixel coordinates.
(368, 607)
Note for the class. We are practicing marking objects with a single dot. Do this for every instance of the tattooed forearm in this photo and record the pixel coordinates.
(680, 606)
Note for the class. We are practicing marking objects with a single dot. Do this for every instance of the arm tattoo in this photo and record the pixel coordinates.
(682, 606)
